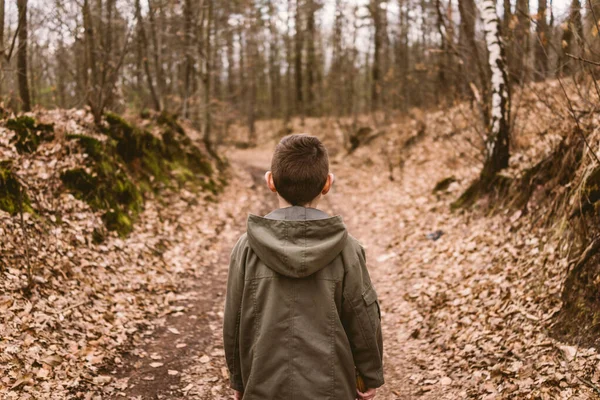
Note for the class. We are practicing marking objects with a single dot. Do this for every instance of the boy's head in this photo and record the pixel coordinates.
(299, 170)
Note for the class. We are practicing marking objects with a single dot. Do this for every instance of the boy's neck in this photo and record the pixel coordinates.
(314, 203)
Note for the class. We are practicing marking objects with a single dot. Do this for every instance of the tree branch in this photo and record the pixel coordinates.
(582, 59)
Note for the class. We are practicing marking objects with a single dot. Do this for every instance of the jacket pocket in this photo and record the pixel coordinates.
(372, 304)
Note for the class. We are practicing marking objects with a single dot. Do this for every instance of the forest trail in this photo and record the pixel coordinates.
(464, 308)
(468, 298)
(185, 358)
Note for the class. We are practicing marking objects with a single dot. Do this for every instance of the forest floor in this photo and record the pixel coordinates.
(467, 297)
(200, 364)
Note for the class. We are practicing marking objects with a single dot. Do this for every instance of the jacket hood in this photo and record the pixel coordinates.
(296, 241)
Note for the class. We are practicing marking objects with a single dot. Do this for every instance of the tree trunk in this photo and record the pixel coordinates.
(507, 34)
(442, 63)
(336, 73)
(541, 44)
(92, 93)
(144, 54)
(207, 76)
(497, 146)
(2, 45)
(375, 9)
(22, 57)
(522, 41)
(403, 57)
(298, 61)
(572, 38)
(187, 43)
(274, 69)
(290, 60)
(593, 19)
(231, 84)
(157, 46)
(468, 12)
(311, 62)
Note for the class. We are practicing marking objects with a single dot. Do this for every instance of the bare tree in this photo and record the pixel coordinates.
(2, 45)
(206, 77)
(298, 69)
(522, 44)
(468, 17)
(572, 38)
(143, 44)
(541, 44)
(189, 59)
(22, 57)
(311, 60)
(376, 15)
(100, 77)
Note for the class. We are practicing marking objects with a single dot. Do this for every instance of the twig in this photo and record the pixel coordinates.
(594, 15)
(582, 59)
(589, 384)
(8, 56)
(27, 259)
(571, 110)
(64, 310)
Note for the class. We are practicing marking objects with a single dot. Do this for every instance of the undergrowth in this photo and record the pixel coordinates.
(130, 163)
(13, 198)
(28, 133)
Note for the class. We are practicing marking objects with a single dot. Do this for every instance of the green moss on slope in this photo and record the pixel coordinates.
(106, 186)
(131, 162)
(29, 134)
(12, 196)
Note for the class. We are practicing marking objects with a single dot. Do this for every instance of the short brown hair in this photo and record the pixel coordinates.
(300, 166)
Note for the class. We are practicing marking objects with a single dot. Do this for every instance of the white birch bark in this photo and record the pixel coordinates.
(500, 101)
(498, 131)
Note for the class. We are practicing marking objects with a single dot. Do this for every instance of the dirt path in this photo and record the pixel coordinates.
(184, 358)
(451, 302)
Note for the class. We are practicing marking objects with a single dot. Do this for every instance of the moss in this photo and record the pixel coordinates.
(91, 146)
(150, 157)
(12, 196)
(139, 149)
(98, 236)
(131, 162)
(119, 221)
(115, 193)
(80, 182)
(145, 114)
(29, 134)
(170, 120)
(107, 186)
(444, 184)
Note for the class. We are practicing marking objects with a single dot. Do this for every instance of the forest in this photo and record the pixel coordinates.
(464, 136)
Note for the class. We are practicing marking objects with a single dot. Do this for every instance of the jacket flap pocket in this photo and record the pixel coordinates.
(369, 296)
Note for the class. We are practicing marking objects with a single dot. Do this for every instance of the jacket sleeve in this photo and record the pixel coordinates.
(231, 323)
(361, 318)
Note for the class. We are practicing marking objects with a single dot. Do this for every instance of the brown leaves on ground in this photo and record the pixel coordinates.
(466, 298)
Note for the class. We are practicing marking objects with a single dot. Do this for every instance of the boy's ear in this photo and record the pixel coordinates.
(269, 181)
(328, 183)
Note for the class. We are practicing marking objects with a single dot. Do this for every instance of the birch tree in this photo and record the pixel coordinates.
(497, 146)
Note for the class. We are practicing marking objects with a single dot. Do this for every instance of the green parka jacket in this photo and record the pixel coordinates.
(301, 312)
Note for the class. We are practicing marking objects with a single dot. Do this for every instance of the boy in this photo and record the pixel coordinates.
(301, 314)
